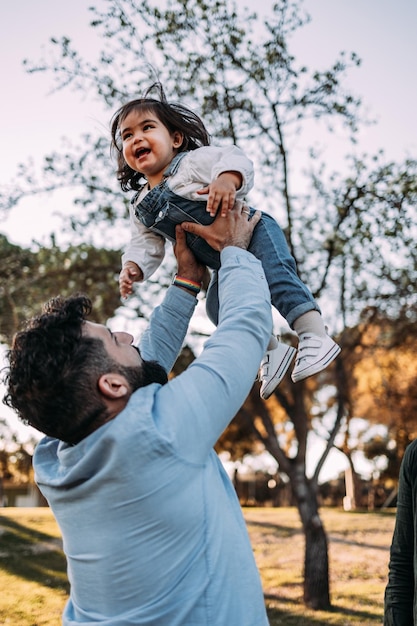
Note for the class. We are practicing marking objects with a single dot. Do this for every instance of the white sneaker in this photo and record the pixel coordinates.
(314, 355)
(273, 368)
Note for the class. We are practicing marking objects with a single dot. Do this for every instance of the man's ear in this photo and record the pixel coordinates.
(113, 385)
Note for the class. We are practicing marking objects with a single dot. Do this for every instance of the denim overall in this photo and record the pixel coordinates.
(162, 209)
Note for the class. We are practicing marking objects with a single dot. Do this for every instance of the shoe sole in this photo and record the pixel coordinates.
(279, 374)
(319, 366)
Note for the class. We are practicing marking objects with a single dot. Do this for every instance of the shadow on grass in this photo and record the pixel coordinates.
(279, 529)
(290, 531)
(278, 617)
(350, 542)
(284, 617)
(32, 555)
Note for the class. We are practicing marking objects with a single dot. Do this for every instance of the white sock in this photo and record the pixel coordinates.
(310, 322)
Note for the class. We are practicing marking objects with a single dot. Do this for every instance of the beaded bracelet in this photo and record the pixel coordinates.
(191, 285)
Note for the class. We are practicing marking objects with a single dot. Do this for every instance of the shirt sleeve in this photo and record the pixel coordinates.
(194, 408)
(233, 159)
(399, 593)
(199, 167)
(146, 248)
(164, 337)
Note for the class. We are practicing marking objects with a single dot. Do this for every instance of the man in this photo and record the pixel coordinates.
(152, 529)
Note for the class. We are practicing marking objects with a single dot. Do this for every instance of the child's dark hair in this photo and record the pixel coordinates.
(174, 116)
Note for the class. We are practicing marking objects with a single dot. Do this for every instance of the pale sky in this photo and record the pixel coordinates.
(381, 32)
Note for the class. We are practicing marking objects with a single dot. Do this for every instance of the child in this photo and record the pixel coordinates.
(163, 154)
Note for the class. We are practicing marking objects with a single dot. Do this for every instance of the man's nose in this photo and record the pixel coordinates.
(124, 337)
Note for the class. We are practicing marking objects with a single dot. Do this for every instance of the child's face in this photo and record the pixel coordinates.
(148, 146)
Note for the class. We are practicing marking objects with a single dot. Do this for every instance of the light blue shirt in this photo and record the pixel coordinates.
(152, 529)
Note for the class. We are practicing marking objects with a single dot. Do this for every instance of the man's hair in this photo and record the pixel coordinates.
(175, 117)
(54, 369)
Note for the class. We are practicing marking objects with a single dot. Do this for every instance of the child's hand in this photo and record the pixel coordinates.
(130, 273)
(233, 230)
(222, 192)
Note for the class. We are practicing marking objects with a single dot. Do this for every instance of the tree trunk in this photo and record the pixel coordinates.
(316, 561)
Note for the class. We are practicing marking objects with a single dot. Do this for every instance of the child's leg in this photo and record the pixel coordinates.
(274, 365)
(289, 295)
(316, 350)
(293, 299)
(278, 356)
(296, 304)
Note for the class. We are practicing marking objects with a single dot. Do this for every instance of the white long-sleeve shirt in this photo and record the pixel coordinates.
(197, 169)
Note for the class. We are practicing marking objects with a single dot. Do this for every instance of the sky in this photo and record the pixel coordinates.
(33, 121)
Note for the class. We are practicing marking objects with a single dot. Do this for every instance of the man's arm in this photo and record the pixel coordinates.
(163, 339)
(195, 407)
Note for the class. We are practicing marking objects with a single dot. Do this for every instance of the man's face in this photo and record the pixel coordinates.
(119, 347)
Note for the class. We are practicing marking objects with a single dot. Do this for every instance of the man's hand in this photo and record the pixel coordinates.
(233, 229)
(188, 266)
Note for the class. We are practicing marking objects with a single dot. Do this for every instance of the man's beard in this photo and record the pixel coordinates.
(147, 373)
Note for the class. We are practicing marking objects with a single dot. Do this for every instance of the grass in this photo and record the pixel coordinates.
(34, 587)
(358, 555)
(33, 578)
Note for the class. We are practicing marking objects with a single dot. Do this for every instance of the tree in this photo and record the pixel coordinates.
(238, 72)
(384, 386)
(28, 277)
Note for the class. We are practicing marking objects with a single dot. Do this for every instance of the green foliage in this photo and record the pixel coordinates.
(367, 226)
(15, 458)
(28, 278)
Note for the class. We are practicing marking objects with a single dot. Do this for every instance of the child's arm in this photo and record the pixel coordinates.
(142, 256)
(222, 192)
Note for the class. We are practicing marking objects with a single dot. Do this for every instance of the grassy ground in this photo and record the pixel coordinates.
(358, 554)
(34, 587)
(33, 578)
